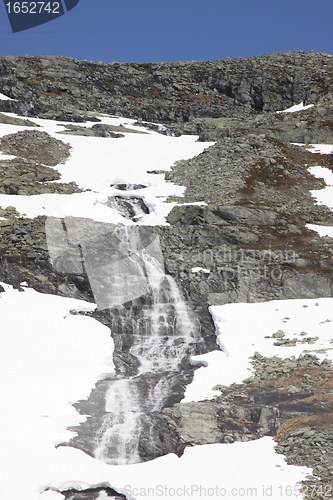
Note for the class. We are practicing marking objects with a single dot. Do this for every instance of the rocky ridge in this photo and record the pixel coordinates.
(61, 88)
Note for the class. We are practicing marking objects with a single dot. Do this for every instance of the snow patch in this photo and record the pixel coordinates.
(95, 163)
(241, 330)
(51, 495)
(323, 196)
(321, 230)
(4, 97)
(198, 269)
(296, 107)
(3, 156)
(48, 360)
(324, 149)
(202, 472)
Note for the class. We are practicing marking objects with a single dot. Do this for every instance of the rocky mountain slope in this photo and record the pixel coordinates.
(248, 237)
(167, 92)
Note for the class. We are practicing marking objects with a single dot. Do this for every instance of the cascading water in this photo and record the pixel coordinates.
(150, 322)
(162, 334)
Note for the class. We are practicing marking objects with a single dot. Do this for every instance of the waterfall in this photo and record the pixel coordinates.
(120, 430)
(149, 319)
(161, 333)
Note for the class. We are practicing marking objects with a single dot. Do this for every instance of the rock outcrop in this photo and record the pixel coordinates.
(61, 88)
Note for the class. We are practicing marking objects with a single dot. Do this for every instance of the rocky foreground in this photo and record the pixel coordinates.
(250, 233)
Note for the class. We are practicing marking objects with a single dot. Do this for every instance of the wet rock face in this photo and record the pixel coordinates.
(265, 404)
(158, 434)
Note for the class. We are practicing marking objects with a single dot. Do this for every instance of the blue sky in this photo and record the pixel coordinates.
(176, 30)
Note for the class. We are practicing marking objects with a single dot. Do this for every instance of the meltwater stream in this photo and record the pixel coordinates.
(160, 332)
(150, 323)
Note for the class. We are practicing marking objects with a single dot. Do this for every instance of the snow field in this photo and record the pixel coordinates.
(97, 162)
(218, 470)
(49, 359)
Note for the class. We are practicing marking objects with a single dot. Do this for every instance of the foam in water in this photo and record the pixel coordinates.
(149, 319)
(162, 335)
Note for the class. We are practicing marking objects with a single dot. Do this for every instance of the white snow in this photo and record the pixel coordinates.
(321, 230)
(296, 107)
(6, 157)
(48, 360)
(51, 495)
(250, 469)
(323, 196)
(323, 149)
(241, 330)
(322, 172)
(97, 162)
(198, 269)
(3, 97)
